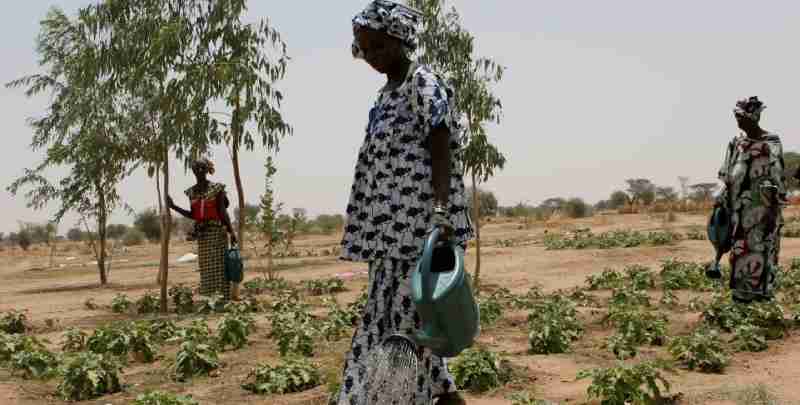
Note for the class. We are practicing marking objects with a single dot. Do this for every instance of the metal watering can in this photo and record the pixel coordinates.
(443, 296)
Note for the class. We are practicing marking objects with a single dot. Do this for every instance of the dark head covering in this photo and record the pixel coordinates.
(394, 19)
(203, 165)
(750, 108)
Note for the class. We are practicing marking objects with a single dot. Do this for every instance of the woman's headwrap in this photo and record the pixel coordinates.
(749, 108)
(203, 165)
(395, 19)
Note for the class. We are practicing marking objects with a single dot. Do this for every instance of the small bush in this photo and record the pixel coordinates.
(194, 359)
(74, 340)
(750, 338)
(39, 363)
(14, 322)
(640, 384)
(183, 298)
(635, 327)
(479, 370)
(233, 330)
(295, 333)
(292, 375)
(148, 304)
(629, 296)
(680, 275)
(607, 280)
(133, 237)
(702, 350)
(120, 304)
(110, 339)
(142, 344)
(490, 310)
(88, 376)
(164, 398)
(10, 345)
(554, 325)
(323, 287)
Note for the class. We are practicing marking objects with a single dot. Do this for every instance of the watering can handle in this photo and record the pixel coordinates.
(427, 259)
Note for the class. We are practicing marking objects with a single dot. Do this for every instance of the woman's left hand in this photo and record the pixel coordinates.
(441, 222)
(233, 238)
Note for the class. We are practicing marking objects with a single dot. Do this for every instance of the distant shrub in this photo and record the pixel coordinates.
(133, 237)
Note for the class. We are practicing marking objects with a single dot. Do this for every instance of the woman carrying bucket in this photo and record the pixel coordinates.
(407, 181)
(209, 210)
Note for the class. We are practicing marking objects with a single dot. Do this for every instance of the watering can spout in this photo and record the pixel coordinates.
(443, 296)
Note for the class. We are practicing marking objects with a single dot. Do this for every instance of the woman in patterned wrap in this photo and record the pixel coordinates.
(408, 179)
(209, 210)
(754, 186)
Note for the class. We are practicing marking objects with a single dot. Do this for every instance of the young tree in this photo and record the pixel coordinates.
(84, 129)
(267, 222)
(666, 194)
(449, 49)
(703, 192)
(641, 191)
(618, 199)
(149, 223)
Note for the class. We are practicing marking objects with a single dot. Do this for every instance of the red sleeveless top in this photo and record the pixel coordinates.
(204, 205)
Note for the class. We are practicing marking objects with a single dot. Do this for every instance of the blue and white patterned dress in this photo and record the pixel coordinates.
(389, 216)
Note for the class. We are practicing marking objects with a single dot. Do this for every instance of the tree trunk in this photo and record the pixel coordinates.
(236, 128)
(101, 234)
(160, 212)
(476, 220)
(52, 252)
(165, 234)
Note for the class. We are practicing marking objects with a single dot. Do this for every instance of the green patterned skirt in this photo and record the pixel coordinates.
(212, 240)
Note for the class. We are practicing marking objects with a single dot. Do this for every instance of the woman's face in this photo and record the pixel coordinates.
(746, 124)
(381, 51)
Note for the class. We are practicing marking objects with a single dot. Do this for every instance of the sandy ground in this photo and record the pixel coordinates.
(59, 294)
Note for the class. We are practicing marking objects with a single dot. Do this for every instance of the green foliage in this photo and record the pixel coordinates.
(183, 298)
(669, 299)
(234, 329)
(608, 279)
(164, 398)
(14, 322)
(680, 275)
(74, 340)
(490, 309)
(133, 237)
(553, 325)
(696, 234)
(338, 321)
(148, 222)
(750, 338)
(294, 331)
(38, 363)
(292, 375)
(702, 350)
(479, 370)
(259, 285)
(635, 327)
(641, 384)
(323, 287)
(527, 398)
(194, 359)
(610, 240)
(639, 277)
(88, 376)
(197, 330)
(726, 314)
(142, 343)
(110, 339)
(10, 345)
(769, 316)
(629, 296)
(162, 330)
(148, 303)
(120, 303)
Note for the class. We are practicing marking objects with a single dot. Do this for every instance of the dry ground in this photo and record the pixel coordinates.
(60, 293)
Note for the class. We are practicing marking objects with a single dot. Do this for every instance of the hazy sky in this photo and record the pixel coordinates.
(595, 92)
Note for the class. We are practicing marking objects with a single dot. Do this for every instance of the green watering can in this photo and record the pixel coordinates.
(442, 294)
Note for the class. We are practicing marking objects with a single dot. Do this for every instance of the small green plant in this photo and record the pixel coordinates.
(14, 322)
(338, 321)
(723, 312)
(696, 234)
(669, 299)
(323, 287)
(148, 304)
(635, 327)
(641, 384)
(553, 325)
(260, 285)
(164, 398)
(769, 316)
(197, 330)
(295, 332)
(183, 298)
(120, 303)
(629, 296)
(10, 345)
(110, 339)
(194, 359)
(292, 375)
(39, 363)
(88, 376)
(750, 338)
(640, 277)
(490, 310)
(234, 329)
(74, 340)
(681, 275)
(607, 280)
(141, 343)
(527, 398)
(162, 330)
(479, 370)
(702, 350)
(610, 240)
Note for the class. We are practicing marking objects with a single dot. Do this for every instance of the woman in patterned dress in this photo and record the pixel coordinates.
(209, 210)
(754, 188)
(408, 179)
